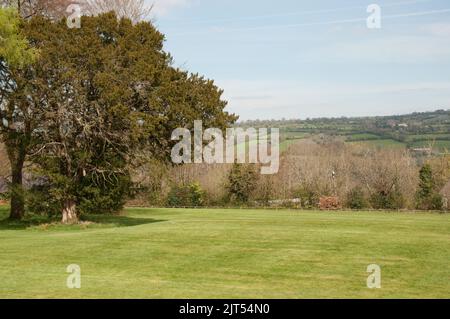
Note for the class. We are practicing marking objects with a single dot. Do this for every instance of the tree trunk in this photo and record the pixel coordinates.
(69, 213)
(17, 194)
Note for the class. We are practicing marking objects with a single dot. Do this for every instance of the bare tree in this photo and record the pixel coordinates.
(135, 10)
(53, 9)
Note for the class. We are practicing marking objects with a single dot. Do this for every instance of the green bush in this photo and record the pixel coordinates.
(5, 196)
(39, 201)
(387, 200)
(436, 202)
(356, 199)
(427, 197)
(242, 182)
(190, 195)
(309, 196)
(105, 197)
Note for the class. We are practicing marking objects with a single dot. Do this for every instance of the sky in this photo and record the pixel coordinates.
(305, 59)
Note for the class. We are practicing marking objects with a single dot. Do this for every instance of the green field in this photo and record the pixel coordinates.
(382, 143)
(441, 145)
(175, 253)
(362, 137)
(284, 145)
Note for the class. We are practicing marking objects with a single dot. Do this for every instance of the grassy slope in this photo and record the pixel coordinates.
(160, 253)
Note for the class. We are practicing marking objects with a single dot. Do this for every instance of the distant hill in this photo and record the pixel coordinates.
(416, 131)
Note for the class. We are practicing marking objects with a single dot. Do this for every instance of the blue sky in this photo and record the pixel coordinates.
(299, 59)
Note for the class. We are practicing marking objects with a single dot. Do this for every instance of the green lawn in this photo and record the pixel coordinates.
(360, 137)
(175, 253)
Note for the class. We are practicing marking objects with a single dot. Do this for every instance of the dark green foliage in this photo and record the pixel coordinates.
(190, 195)
(309, 196)
(392, 199)
(356, 199)
(426, 184)
(107, 197)
(40, 201)
(5, 196)
(93, 198)
(436, 202)
(104, 96)
(427, 196)
(242, 182)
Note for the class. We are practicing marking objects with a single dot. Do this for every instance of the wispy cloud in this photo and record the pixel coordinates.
(291, 67)
(302, 13)
(319, 23)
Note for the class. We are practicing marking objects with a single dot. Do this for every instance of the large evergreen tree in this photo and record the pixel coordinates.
(107, 92)
(96, 97)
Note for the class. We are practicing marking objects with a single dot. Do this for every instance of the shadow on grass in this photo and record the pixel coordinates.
(86, 221)
(119, 220)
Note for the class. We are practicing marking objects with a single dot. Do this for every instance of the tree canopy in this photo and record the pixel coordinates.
(98, 98)
(16, 56)
(14, 47)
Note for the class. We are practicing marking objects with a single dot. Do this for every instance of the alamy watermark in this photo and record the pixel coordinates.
(254, 146)
(74, 279)
(74, 18)
(374, 20)
(75, 13)
(374, 279)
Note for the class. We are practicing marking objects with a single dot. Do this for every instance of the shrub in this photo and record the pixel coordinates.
(5, 196)
(426, 183)
(387, 200)
(190, 195)
(309, 197)
(106, 198)
(427, 196)
(242, 182)
(196, 194)
(93, 198)
(436, 202)
(356, 199)
(329, 203)
(39, 201)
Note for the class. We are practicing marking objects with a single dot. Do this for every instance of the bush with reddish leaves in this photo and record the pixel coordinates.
(330, 203)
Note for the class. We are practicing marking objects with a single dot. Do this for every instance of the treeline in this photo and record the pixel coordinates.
(424, 119)
(327, 175)
(402, 128)
(82, 107)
